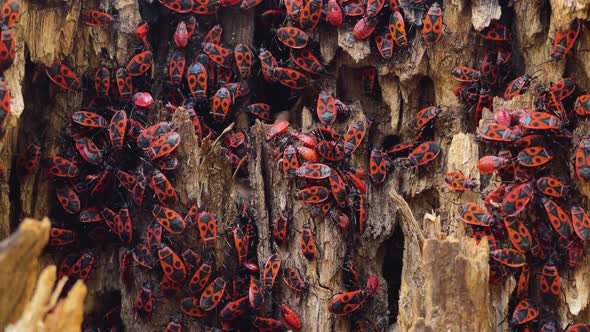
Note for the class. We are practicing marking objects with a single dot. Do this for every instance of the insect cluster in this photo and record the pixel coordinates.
(530, 219)
(114, 173)
(10, 16)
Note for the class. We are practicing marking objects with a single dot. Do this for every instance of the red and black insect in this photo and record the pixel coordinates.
(564, 41)
(142, 255)
(200, 278)
(313, 194)
(271, 271)
(582, 160)
(397, 29)
(277, 129)
(207, 225)
(163, 145)
(522, 289)
(281, 227)
(196, 78)
(181, 35)
(28, 160)
(102, 82)
(560, 220)
(173, 326)
(466, 74)
(10, 12)
(267, 324)
(81, 268)
(422, 155)
(61, 236)
(260, 110)
(7, 48)
(518, 233)
(4, 106)
(534, 156)
(290, 317)
(173, 267)
(154, 235)
(426, 115)
(580, 222)
(219, 54)
(473, 214)
(354, 137)
(144, 302)
(509, 257)
(314, 171)
(192, 260)
(290, 78)
(163, 188)
(310, 14)
(308, 247)
(457, 181)
(364, 27)
(235, 309)
(59, 166)
(539, 121)
(176, 67)
(497, 133)
(550, 284)
(495, 32)
(243, 56)
(518, 86)
(190, 306)
(384, 41)
(140, 63)
(353, 8)
(213, 294)
(169, 219)
(377, 165)
(292, 37)
(305, 60)
(124, 83)
(334, 13)
(293, 279)
(221, 104)
(124, 226)
(326, 108)
(117, 128)
(89, 119)
(96, 18)
(255, 295)
(580, 327)
(63, 76)
(345, 303)
(582, 105)
(432, 27)
(524, 312)
(517, 199)
(241, 244)
(491, 164)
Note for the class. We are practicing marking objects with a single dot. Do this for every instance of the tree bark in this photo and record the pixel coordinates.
(443, 276)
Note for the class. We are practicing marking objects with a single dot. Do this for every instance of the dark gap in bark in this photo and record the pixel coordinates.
(35, 96)
(426, 90)
(105, 312)
(392, 271)
(426, 201)
(391, 140)
(274, 94)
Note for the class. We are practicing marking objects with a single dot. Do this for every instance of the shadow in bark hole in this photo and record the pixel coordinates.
(392, 271)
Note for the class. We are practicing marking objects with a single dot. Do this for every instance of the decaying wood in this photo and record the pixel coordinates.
(26, 307)
(18, 267)
(444, 276)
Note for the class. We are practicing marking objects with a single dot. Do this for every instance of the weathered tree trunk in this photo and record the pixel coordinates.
(414, 242)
